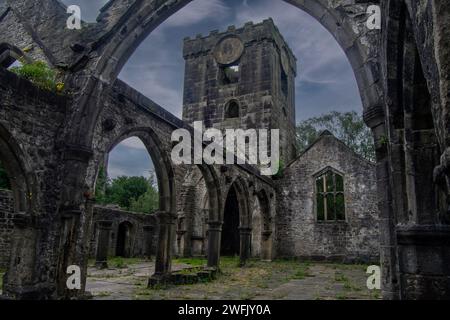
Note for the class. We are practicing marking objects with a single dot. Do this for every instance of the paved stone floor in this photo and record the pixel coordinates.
(127, 280)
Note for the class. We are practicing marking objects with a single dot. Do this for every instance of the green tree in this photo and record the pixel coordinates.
(123, 190)
(349, 127)
(149, 201)
(4, 180)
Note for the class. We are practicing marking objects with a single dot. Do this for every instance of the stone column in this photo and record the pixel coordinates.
(163, 258)
(374, 118)
(245, 234)
(70, 253)
(104, 233)
(148, 241)
(214, 234)
(266, 248)
(19, 281)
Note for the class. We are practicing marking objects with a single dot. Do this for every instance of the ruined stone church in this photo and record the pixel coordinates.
(328, 203)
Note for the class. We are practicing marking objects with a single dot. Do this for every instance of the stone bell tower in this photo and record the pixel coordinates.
(242, 79)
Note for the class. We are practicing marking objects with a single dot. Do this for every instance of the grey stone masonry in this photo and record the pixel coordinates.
(6, 225)
(299, 232)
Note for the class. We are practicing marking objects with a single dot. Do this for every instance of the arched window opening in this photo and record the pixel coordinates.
(229, 74)
(232, 110)
(124, 240)
(330, 201)
(127, 179)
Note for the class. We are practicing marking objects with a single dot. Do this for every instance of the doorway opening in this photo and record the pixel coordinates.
(230, 229)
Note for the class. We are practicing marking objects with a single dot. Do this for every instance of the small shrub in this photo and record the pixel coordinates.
(118, 262)
(40, 74)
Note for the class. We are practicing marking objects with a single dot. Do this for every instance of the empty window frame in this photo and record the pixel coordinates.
(230, 74)
(330, 201)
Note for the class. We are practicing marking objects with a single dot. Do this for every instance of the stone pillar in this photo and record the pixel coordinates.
(266, 248)
(375, 119)
(245, 243)
(70, 253)
(163, 258)
(104, 234)
(424, 259)
(148, 241)
(214, 235)
(20, 279)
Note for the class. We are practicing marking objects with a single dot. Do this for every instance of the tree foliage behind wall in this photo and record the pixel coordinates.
(348, 127)
(137, 194)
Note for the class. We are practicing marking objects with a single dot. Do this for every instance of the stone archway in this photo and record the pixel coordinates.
(121, 28)
(230, 241)
(236, 221)
(167, 200)
(124, 243)
(21, 266)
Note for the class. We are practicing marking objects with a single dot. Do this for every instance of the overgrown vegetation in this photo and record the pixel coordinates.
(122, 263)
(137, 194)
(262, 280)
(349, 127)
(195, 262)
(40, 74)
(4, 181)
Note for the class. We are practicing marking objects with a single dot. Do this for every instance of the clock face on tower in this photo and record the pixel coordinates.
(228, 50)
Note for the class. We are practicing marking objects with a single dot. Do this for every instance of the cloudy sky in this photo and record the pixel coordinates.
(325, 80)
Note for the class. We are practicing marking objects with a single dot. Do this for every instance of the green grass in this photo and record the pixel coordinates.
(121, 263)
(103, 294)
(195, 262)
(302, 272)
(341, 296)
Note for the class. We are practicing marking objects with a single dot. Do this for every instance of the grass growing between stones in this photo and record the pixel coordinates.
(279, 279)
(233, 282)
(195, 262)
(118, 262)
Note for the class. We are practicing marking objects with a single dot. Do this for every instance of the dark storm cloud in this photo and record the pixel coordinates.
(325, 80)
(129, 158)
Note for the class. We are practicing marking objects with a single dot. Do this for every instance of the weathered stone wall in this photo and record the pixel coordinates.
(6, 225)
(299, 234)
(137, 221)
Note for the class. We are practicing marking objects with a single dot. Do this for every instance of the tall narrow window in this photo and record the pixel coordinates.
(284, 82)
(330, 202)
